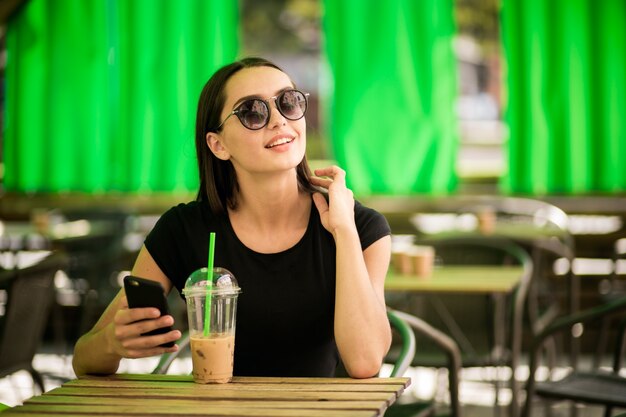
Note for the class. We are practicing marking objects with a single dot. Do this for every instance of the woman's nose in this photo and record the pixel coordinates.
(276, 117)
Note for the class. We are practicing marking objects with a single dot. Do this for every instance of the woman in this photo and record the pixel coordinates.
(312, 277)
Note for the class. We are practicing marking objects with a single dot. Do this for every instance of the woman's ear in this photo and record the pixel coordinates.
(214, 142)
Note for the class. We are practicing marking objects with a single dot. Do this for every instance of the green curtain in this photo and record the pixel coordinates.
(391, 116)
(566, 81)
(101, 95)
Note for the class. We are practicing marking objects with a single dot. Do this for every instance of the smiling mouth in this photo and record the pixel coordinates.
(279, 142)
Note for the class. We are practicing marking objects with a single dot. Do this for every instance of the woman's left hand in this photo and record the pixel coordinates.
(338, 212)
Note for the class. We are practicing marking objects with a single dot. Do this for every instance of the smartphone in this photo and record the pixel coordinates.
(142, 292)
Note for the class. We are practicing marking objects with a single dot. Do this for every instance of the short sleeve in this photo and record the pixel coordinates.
(370, 224)
(176, 243)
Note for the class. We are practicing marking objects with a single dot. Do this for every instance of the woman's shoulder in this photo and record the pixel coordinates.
(370, 224)
(364, 213)
(191, 208)
(191, 212)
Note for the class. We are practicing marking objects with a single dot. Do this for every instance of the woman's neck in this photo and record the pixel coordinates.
(272, 214)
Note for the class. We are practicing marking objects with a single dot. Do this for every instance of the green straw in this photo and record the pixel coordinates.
(207, 305)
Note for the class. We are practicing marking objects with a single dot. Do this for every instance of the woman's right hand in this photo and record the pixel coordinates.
(124, 332)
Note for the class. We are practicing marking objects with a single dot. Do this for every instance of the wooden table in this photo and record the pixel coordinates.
(475, 279)
(178, 395)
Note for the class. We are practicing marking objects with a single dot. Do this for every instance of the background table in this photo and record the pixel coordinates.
(497, 281)
(459, 279)
(154, 395)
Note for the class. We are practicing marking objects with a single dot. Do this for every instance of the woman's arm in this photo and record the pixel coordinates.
(117, 334)
(362, 330)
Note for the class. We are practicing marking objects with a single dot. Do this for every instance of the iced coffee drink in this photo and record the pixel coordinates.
(211, 310)
(213, 358)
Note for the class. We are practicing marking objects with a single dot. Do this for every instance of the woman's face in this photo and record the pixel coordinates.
(278, 146)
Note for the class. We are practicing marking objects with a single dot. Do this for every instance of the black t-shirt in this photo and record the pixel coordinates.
(285, 312)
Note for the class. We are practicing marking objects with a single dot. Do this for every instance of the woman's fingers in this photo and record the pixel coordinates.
(129, 326)
(332, 171)
(144, 346)
(150, 345)
(321, 182)
(320, 202)
(131, 315)
(136, 328)
(329, 176)
(338, 211)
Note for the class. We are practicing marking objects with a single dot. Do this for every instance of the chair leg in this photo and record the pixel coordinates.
(602, 343)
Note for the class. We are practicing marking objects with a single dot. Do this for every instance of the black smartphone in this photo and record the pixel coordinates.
(142, 292)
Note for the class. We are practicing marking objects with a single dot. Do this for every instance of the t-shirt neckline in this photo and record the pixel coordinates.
(299, 243)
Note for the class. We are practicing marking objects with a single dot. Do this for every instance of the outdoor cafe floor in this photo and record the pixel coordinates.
(477, 395)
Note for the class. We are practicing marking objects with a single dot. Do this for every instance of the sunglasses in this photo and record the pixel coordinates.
(254, 114)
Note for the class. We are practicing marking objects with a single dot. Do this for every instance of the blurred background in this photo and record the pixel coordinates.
(421, 102)
(514, 97)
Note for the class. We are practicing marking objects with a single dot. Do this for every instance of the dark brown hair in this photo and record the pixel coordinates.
(218, 180)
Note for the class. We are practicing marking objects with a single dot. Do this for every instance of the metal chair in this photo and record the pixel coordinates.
(595, 386)
(453, 364)
(30, 293)
(612, 288)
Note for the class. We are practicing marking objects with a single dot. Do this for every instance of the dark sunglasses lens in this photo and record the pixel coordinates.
(253, 114)
(292, 104)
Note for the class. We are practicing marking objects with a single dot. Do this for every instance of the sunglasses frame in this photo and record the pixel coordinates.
(266, 103)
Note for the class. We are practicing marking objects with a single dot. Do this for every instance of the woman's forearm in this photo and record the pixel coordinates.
(92, 355)
(362, 330)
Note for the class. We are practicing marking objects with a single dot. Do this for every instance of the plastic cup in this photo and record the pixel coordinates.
(423, 258)
(212, 332)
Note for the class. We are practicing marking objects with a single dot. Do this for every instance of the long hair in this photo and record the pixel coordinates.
(218, 180)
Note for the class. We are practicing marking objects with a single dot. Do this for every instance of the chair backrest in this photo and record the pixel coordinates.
(444, 343)
(407, 343)
(30, 293)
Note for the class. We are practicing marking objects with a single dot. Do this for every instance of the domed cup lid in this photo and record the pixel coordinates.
(222, 282)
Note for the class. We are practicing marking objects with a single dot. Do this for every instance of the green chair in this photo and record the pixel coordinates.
(407, 343)
(406, 325)
(4, 407)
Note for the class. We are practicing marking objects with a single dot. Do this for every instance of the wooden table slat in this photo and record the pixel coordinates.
(243, 380)
(200, 402)
(192, 391)
(193, 410)
(319, 386)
